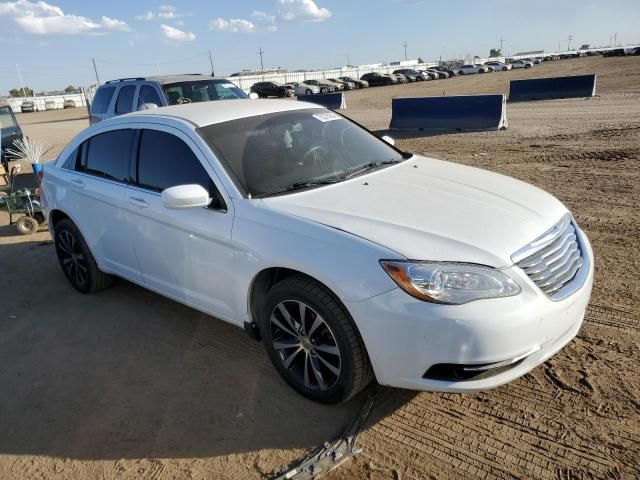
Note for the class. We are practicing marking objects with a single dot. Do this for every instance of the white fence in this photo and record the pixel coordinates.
(47, 102)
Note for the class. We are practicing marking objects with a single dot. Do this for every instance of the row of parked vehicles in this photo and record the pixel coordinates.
(329, 85)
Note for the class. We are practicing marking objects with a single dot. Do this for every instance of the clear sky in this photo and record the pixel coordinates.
(54, 40)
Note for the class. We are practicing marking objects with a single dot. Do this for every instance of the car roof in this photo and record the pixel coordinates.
(164, 79)
(208, 113)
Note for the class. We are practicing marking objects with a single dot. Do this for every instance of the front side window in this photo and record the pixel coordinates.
(148, 94)
(107, 155)
(124, 104)
(201, 91)
(166, 161)
(102, 99)
(267, 153)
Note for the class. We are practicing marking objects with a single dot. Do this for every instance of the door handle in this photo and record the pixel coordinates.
(138, 202)
(77, 183)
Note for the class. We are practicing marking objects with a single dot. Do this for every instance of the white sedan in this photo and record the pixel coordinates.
(522, 64)
(470, 69)
(303, 88)
(498, 66)
(349, 258)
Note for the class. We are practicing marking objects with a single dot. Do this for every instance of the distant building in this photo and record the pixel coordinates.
(534, 52)
(248, 73)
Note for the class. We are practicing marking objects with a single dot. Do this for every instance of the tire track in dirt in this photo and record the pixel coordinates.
(611, 317)
(606, 132)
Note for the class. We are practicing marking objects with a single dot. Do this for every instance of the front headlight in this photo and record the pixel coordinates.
(449, 283)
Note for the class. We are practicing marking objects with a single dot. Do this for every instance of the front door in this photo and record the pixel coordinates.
(187, 253)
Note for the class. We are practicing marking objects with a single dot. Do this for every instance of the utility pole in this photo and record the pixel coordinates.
(260, 52)
(501, 42)
(405, 49)
(615, 39)
(95, 69)
(569, 42)
(21, 82)
(213, 74)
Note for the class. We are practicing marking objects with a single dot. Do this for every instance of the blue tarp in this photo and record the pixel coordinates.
(552, 88)
(333, 101)
(449, 113)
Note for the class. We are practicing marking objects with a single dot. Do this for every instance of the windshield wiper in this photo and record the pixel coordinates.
(295, 186)
(367, 167)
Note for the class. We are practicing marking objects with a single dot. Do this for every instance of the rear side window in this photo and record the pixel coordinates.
(107, 155)
(148, 94)
(166, 161)
(125, 99)
(102, 99)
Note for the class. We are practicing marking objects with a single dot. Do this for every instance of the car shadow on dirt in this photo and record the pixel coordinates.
(126, 373)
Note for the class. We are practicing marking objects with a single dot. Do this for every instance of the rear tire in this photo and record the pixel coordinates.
(321, 356)
(308, 92)
(76, 259)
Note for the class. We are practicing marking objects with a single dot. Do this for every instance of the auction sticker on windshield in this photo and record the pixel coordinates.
(326, 117)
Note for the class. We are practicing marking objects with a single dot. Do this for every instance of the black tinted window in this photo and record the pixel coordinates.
(148, 94)
(166, 161)
(125, 99)
(102, 99)
(108, 155)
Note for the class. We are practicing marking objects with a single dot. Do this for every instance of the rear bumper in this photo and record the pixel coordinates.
(406, 337)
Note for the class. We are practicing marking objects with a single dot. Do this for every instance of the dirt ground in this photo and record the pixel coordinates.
(127, 384)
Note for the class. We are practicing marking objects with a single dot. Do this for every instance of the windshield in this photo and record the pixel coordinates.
(6, 118)
(201, 91)
(280, 151)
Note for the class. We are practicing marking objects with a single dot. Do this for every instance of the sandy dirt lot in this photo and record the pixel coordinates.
(126, 384)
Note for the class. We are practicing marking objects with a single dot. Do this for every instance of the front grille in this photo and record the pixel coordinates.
(552, 260)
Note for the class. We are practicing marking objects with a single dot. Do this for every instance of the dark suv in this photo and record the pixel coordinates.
(376, 79)
(271, 89)
(117, 97)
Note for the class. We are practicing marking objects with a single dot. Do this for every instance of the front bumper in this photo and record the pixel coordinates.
(406, 337)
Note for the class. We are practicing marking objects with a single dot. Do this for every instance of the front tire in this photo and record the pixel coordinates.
(308, 92)
(76, 259)
(312, 341)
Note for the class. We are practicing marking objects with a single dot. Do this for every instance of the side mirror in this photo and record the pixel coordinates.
(185, 196)
(389, 140)
(253, 95)
(147, 106)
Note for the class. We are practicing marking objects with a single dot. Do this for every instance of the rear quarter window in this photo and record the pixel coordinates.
(124, 103)
(102, 99)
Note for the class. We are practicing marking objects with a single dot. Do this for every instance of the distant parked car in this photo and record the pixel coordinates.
(117, 97)
(358, 83)
(437, 74)
(376, 79)
(498, 66)
(345, 84)
(323, 85)
(521, 64)
(538, 61)
(471, 69)
(616, 52)
(68, 103)
(27, 106)
(442, 68)
(271, 89)
(303, 88)
(401, 78)
(634, 51)
(338, 86)
(410, 73)
(9, 130)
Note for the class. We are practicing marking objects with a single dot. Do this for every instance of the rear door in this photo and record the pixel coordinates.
(185, 254)
(96, 187)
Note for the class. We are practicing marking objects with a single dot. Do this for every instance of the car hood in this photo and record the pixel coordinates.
(426, 209)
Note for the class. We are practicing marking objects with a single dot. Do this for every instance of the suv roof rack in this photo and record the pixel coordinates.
(132, 79)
